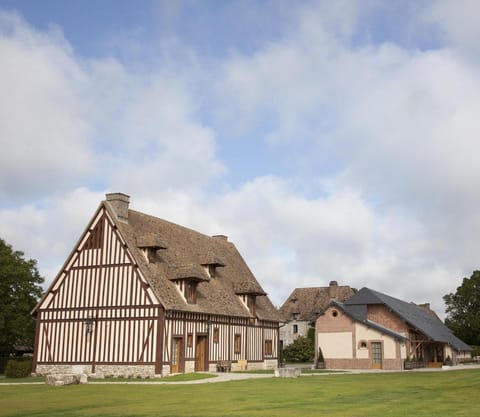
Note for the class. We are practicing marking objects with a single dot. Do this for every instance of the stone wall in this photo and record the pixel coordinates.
(189, 367)
(142, 371)
(271, 364)
(287, 336)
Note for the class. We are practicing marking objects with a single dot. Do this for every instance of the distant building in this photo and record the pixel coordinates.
(374, 330)
(304, 305)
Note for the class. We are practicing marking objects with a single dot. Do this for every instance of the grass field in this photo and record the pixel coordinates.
(435, 394)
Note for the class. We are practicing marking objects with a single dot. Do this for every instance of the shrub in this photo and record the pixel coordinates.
(3, 363)
(302, 350)
(18, 368)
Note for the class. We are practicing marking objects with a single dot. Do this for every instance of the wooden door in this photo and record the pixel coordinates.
(376, 350)
(176, 355)
(201, 354)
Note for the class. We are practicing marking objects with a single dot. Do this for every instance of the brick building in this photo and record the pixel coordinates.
(374, 330)
(304, 305)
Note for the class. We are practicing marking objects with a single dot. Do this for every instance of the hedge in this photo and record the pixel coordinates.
(18, 368)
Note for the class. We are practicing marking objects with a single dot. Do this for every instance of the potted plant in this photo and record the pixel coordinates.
(320, 360)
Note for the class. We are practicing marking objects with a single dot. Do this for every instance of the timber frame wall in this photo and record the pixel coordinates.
(102, 314)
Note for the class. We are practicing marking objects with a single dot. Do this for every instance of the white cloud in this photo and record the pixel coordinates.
(43, 134)
(48, 230)
(396, 127)
(66, 121)
(400, 127)
(458, 22)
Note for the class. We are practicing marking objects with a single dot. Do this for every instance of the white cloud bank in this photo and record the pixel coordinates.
(397, 128)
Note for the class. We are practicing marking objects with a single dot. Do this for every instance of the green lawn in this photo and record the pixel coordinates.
(4, 380)
(419, 394)
(172, 378)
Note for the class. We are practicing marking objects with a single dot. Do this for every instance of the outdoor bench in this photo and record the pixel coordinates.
(224, 366)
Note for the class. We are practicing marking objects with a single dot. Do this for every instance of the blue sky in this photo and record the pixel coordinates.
(328, 140)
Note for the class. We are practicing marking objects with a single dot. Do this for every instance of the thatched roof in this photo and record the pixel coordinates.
(306, 304)
(187, 254)
(188, 271)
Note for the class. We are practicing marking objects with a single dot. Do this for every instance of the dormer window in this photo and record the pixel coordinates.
(186, 277)
(150, 254)
(211, 262)
(249, 300)
(211, 270)
(188, 289)
(150, 244)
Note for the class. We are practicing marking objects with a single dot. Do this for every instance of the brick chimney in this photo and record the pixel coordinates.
(332, 289)
(119, 203)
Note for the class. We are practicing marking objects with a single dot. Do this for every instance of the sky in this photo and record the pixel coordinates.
(328, 140)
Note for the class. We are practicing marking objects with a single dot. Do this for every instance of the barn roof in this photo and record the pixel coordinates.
(308, 303)
(359, 314)
(182, 253)
(419, 317)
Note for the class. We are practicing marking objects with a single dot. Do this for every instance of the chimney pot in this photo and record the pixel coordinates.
(221, 237)
(119, 203)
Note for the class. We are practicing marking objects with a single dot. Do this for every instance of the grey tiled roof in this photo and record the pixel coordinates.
(359, 313)
(417, 317)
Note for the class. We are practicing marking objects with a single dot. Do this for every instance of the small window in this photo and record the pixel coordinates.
(268, 347)
(251, 304)
(238, 344)
(294, 316)
(362, 344)
(190, 340)
(334, 313)
(295, 328)
(212, 270)
(191, 292)
(216, 335)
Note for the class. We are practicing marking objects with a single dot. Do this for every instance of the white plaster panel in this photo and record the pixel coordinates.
(336, 345)
(367, 333)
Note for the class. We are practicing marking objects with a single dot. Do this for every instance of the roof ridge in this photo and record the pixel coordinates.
(189, 229)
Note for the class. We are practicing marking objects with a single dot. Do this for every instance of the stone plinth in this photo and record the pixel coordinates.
(287, 372)
(65, 379)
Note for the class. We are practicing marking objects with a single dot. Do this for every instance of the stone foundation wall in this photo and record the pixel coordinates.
(165, 370)
(141, 371)
(189, 367)
(255, 366)
(63, 369)
(387, 364)
(271, 364)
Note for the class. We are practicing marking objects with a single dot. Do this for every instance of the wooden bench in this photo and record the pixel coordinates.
(224, 366)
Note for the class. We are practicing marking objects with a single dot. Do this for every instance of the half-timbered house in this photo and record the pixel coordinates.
(139, 295)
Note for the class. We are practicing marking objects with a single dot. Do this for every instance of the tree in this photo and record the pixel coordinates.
(463, 310)
(302, 349)
(20, 289)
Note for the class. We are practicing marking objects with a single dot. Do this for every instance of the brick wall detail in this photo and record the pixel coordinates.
(382, 315)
